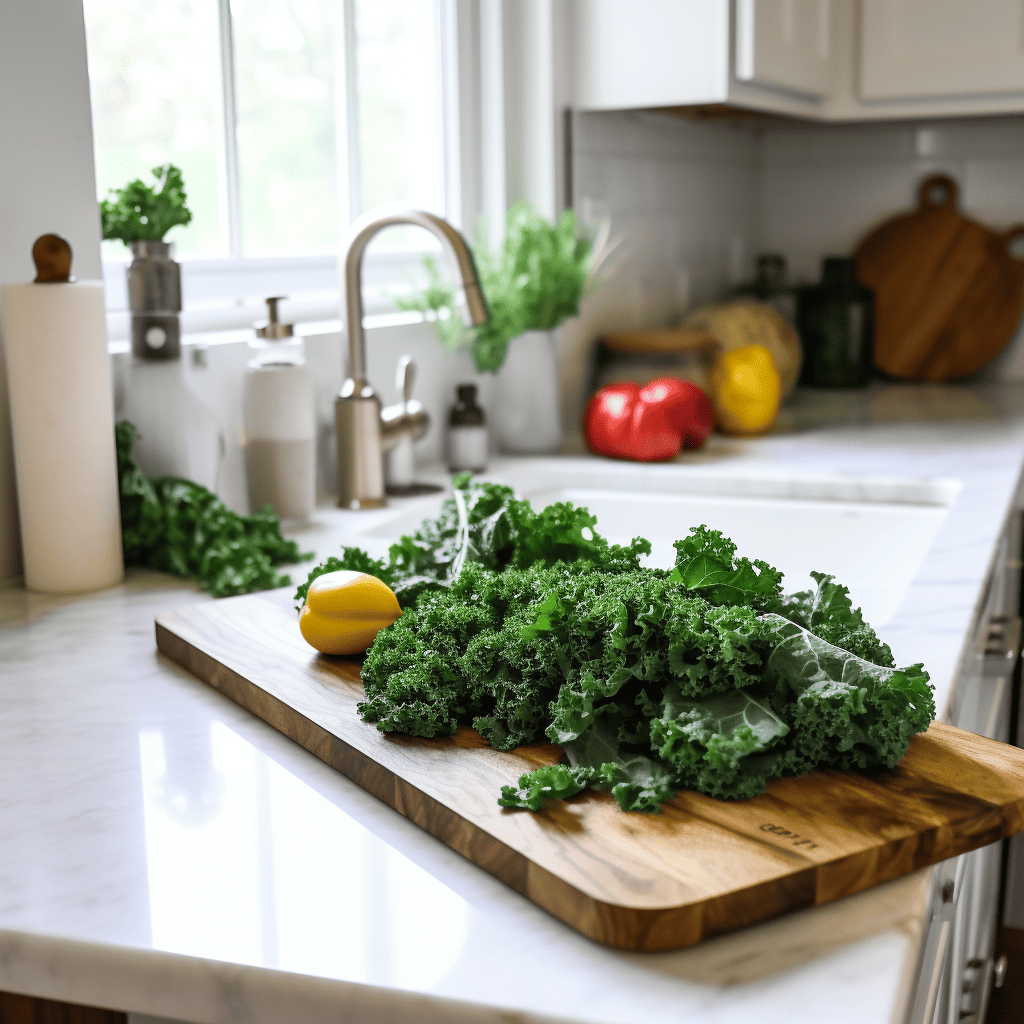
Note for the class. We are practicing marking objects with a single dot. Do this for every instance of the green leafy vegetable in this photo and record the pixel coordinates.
(533, 282)
(140, 212)
(705, 563)
(180, 527)
(499, 531)
(703, 677)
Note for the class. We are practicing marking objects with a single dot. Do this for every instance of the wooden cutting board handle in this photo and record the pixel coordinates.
(938, 192)
(1006, 240)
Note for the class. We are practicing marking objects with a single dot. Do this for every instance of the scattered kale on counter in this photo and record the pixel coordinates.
(182, 528)
(653, 681)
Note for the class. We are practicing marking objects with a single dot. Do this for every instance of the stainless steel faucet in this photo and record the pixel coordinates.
(362, 434)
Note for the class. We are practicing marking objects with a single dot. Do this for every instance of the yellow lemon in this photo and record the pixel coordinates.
(745, 390)
(345, 610)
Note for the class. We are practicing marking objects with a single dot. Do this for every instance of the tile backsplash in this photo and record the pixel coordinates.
(682, 199)
(696, 201)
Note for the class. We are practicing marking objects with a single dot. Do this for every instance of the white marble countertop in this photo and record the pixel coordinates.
(164, 852)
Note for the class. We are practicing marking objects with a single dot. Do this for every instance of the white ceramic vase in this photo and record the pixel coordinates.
(527, 417)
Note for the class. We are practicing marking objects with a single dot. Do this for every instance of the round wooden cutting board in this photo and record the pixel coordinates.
(948, 291)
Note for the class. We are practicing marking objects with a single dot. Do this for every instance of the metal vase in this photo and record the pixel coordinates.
(154, 298)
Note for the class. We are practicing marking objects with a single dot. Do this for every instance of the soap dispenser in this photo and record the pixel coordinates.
(279, 420)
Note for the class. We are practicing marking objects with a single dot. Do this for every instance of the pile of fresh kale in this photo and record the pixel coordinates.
(528, 625)
(180, 527)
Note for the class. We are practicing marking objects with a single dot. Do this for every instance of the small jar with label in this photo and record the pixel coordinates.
(467, 433)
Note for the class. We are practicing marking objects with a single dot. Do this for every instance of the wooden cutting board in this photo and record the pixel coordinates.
(948, 291)
(636, 881)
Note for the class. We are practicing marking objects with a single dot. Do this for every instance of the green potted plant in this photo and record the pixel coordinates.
(533, 283)
(140, 215)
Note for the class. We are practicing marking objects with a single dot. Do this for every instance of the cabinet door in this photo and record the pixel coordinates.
(647, 53)
(785, 44)
(941, 48)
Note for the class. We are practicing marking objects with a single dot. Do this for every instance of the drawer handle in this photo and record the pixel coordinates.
(1001, 638)
(999, 972)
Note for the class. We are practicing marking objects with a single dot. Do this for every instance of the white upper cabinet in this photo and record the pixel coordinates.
(648, 53)
(785, 44)
(831, 60)
(914, 49)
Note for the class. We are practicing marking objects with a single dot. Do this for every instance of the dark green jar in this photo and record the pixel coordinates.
(770, 285)
(835, 321)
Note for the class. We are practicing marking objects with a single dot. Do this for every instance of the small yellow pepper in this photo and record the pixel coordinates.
(345, 610)
(745, 390)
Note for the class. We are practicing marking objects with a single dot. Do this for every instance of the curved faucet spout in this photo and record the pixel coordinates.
(357, 412)
(362, 231)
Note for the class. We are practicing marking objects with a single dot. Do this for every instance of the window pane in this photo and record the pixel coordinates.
(400, 121)
(154, 74)
(284, 70)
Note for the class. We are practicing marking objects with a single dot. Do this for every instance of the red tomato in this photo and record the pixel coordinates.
(649, 424)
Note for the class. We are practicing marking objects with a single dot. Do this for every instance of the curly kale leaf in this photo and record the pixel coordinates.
(597, 760)
(552, 782)
(637, 781)
(500, 531)
(845, 712)
(706, 563)
(725, 745)
(829, 613)
(456, 657)
(180, 527)
(718, 744)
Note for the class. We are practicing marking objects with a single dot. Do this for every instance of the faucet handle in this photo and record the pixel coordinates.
(405, 374)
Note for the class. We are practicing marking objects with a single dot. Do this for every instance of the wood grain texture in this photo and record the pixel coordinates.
(948, 291)
(635, 881)
(15, 1009)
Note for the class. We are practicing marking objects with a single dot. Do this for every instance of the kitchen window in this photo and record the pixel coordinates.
(288, 118)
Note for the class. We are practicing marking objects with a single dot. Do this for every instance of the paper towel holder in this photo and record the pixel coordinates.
(52, 256)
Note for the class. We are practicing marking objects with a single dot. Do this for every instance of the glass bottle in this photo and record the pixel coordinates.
(467, 433)
(835, 321)
(279, 421)
(770, 285)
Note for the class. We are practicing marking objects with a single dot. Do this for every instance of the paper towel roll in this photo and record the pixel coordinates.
(62, 420)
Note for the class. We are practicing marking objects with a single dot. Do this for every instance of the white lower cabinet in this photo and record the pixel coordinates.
(958, 964)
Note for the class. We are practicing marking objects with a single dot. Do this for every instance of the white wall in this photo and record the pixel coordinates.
(47, 175)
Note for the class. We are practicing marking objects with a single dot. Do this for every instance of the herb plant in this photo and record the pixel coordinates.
(182, 528)
(529, 625)
(139, 212)
(533, 282)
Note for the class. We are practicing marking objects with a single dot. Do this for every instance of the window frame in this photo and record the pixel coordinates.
(223, 293)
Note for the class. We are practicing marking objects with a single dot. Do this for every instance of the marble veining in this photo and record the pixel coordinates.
(164, 852)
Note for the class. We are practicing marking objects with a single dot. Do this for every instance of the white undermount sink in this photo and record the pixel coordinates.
(870, 533)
